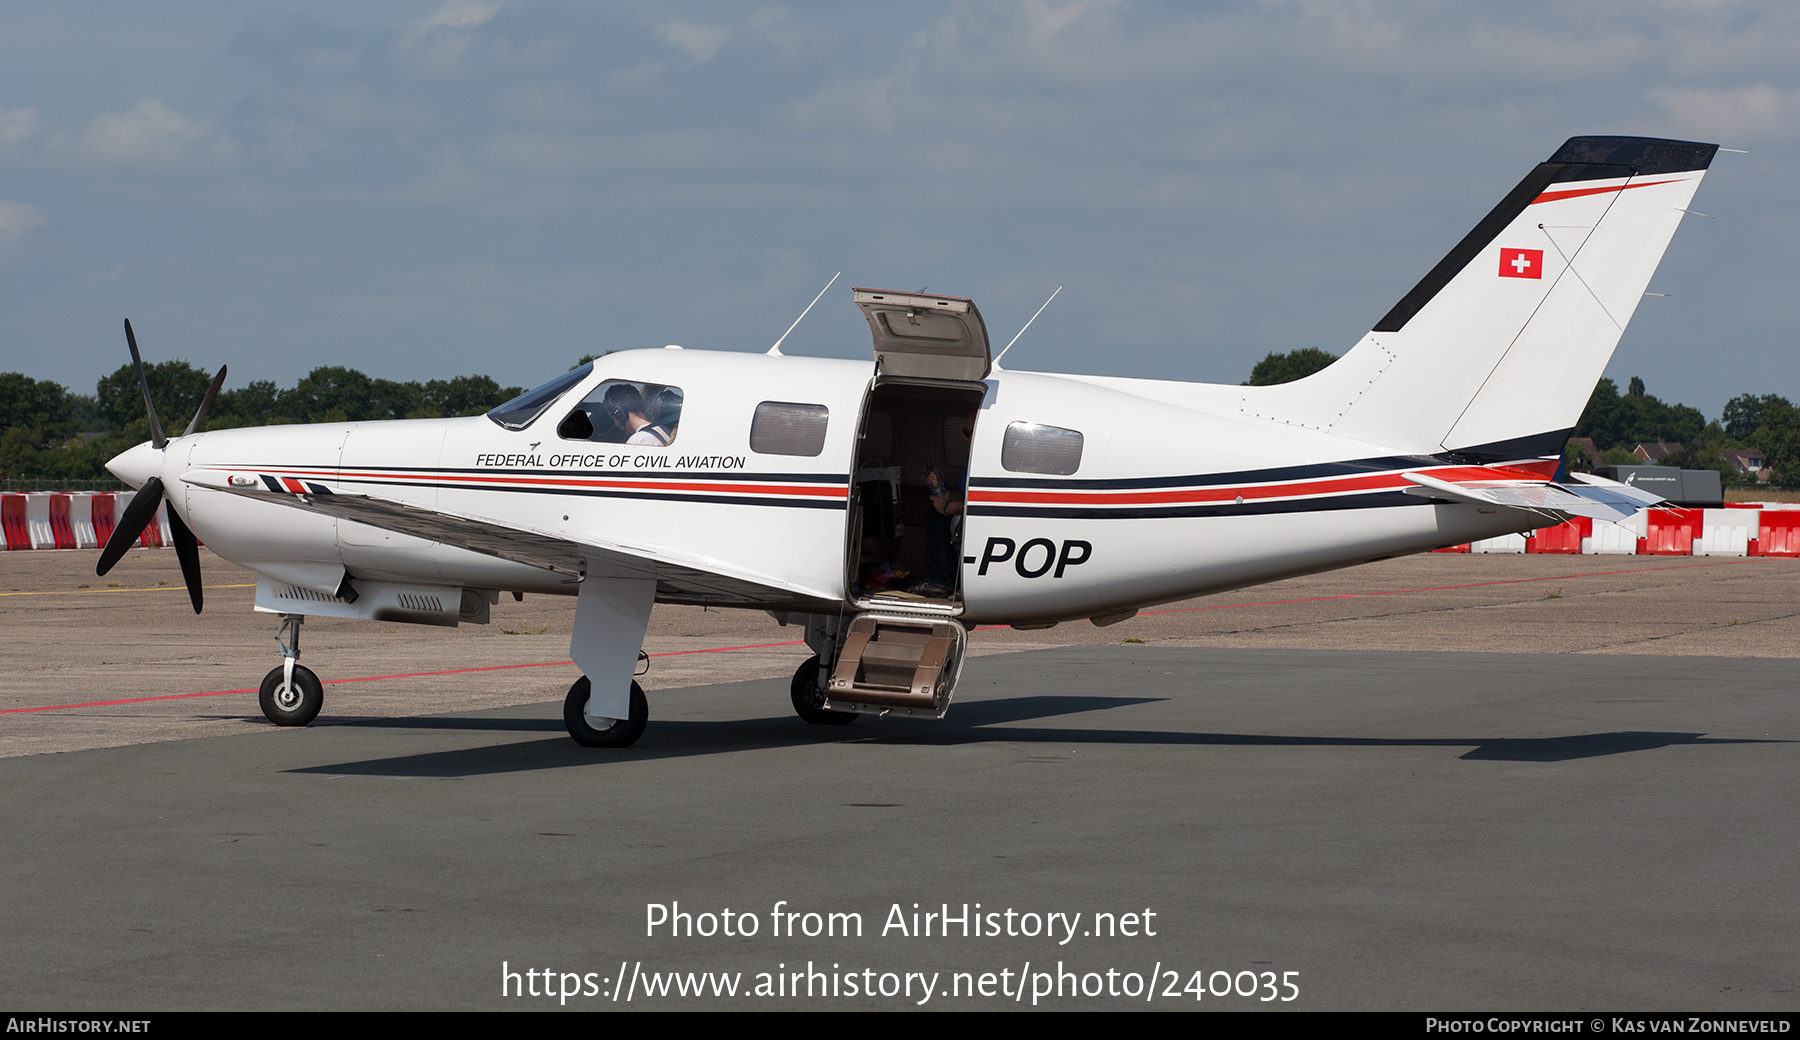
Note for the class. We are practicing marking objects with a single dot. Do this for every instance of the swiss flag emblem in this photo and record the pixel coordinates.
(1521, 263)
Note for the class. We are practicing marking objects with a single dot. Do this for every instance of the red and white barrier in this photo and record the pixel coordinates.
(1727, 532)
(72, 520)
(47, 518)
(1567, 538)
(1619, 539)
(84, 516)
(14, 529)
(1506, 543)
(156, 533)
(86, 519)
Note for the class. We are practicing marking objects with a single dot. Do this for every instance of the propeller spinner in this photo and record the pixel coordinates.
(143, 505)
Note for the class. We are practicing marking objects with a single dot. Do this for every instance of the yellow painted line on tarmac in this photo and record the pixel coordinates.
(156, 588)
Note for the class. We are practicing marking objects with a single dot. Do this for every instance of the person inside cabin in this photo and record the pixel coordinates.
(943, 527)
(665, 416)
(625, 417)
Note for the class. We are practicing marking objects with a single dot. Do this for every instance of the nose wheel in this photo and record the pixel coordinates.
(291, 700)
(291, 694)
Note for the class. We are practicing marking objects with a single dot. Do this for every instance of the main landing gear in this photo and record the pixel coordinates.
(621, 733)
(808, 693)
(291, 694)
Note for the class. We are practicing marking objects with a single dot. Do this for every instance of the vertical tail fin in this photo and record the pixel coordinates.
(1497, 349)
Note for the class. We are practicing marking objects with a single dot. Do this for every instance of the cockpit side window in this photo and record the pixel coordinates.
(524, 409)
(621, 411)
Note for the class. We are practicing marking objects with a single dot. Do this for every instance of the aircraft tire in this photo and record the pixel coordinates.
(295, 707)
(807, 697)
(621, 734)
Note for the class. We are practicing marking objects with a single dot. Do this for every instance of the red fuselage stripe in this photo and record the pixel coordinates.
(1530, 472)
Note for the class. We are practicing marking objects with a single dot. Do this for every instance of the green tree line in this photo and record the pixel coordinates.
(46, 432)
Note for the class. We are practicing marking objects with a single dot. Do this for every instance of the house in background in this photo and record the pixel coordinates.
(1582, 453)
(1749, 463)
(1655, 453)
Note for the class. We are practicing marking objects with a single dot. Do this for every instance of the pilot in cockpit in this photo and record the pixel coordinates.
(664, 416)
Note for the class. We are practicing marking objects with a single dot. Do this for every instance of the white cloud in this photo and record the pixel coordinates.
(436, 45)
(455, 14)
(152, 134)
(17, 125)
(1047, 19)
(16, 218)
(701, 42)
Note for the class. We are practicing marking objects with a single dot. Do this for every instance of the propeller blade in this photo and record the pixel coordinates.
(187, 550)
(137, 517)
(157, 440)
(205, 403)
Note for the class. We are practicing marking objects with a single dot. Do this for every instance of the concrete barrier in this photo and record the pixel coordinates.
(1671, 531)
(1727, 532)
(1620, 539)
(15, 533)
(1778, 533)
(87, 519)
(47, 517)
(1566, 538)
(1506, 543)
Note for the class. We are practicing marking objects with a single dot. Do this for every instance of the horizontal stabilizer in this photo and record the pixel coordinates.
(1609, 500)
(1600, 486)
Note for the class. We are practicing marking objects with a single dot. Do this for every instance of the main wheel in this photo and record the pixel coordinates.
(809, 700)
(294, 705)
(622, 732)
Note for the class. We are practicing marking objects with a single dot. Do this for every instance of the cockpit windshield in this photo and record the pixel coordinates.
(524, 409)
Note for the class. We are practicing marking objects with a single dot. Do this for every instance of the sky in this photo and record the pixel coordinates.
(428, 189)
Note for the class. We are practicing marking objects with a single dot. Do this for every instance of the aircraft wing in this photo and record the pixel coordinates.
(680, 577)
(1599, 498)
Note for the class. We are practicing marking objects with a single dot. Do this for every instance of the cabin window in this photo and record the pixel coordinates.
(624, 412)
(781, 428)
(1030, 448)
(524, 409)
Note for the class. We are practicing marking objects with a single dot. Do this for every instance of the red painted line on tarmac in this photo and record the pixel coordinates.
(798, 642)
(375, 678)
(131, 700)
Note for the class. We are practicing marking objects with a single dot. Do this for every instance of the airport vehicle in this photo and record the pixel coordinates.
(797, 485)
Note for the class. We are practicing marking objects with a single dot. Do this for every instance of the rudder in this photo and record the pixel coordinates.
(1497, 349)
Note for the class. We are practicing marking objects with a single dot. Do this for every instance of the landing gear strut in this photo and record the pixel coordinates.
(291, 694)
(808, 693)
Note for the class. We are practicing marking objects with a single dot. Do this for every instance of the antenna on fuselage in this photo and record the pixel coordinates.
(775, 351)
(1015, 339)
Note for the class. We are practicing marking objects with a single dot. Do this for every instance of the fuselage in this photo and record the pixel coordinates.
(1167, 497)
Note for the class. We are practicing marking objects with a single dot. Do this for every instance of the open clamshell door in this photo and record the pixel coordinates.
(932, 338)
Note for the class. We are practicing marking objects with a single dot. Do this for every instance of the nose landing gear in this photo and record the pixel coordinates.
(291, 694)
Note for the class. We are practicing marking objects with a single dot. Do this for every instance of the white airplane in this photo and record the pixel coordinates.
(798, 485)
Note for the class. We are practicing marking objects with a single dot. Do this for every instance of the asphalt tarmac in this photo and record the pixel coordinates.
(1442, 783)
